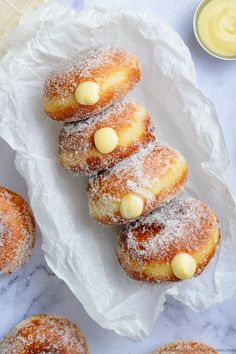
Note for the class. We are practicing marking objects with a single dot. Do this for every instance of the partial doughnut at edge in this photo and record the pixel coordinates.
(17, 231)
(185, 347)
(44, 334)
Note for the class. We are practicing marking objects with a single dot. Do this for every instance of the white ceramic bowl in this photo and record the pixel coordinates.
(201, 5)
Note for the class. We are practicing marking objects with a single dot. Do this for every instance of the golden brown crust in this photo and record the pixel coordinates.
(17, 231)
(185, 347)
(44, 334)
(131, 122)
(146, 248)
(156, 173)
(113, 69)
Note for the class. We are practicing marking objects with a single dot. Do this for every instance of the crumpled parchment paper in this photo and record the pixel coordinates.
(77, 249)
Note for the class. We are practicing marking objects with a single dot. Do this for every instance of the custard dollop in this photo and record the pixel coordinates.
(217, 27)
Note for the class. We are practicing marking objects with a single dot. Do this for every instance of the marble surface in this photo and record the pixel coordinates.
(34, 289)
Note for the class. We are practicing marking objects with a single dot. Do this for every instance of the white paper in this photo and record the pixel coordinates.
(77, 249)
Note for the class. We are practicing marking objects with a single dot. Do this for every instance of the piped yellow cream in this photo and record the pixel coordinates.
(217, 27)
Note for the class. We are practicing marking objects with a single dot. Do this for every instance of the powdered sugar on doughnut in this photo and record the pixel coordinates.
(184, 224)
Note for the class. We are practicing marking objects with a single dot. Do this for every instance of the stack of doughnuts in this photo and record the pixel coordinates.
(133, 178)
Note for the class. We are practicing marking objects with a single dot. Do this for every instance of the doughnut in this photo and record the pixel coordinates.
(44, 334)
(101, 141)
(17, 231)
(137, 185)
(89, 82)
(185, 347)
(185, 230)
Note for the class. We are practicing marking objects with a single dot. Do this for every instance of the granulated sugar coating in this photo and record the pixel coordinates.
(130, 121)
(44, 334)
(17, 231)
(184, 224)
(88, 60)
(115, 71)
(156, 173)
(185, 347)
(62, 81)
(3, 230)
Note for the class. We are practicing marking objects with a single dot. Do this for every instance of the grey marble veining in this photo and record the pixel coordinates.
(35, 289)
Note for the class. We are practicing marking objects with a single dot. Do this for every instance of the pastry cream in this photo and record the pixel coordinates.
(87, 93)
(131, 206)
(183, 266)
(217, 27)
(105, 140)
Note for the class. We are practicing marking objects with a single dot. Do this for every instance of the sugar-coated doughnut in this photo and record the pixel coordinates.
(44, 334)
(89, 82)
(185, 225)
(81, 151)
(137, 186)
(185, 347)
(17, 231)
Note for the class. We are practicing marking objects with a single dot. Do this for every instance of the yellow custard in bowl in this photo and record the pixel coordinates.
(215, 27)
